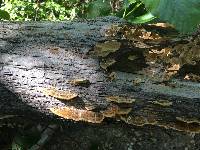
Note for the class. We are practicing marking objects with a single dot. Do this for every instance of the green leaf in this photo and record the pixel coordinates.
(128, 2)
(183, 14)
(4, 15)
(99, 8)
(143, 19)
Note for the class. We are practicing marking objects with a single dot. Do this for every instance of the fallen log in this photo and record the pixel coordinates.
(49, 68)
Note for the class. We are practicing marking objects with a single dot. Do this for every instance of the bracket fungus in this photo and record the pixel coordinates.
(120, 99)
(59, 94)
(107, 63)
(78, 114)
(104, 49)
(164, 103)
(80, 82)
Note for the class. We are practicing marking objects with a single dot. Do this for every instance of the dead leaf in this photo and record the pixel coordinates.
(175, 67)
(192, 77)
(164, 25)
(111, 30)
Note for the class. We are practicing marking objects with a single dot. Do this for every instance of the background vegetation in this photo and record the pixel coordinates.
(24, 10)
(184, 14)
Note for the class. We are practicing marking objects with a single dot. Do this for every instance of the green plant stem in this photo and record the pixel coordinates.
(124, 13)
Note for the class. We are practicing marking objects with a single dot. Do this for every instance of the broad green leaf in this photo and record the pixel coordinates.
(143, 19)
(128, 2)
(183, 14)
(151, 5)
(4, 15)
(131, 11)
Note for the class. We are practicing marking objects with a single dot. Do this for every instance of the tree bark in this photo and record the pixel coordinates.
(38, 55)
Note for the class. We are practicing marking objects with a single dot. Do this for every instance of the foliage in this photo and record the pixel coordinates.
(23, 10)
(135, 12)
(4, 15)
(98, 8)
(184, 14)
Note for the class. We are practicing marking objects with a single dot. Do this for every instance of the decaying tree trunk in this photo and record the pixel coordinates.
(40, 59)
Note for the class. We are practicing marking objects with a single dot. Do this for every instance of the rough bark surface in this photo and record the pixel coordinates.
(38, 55)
